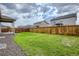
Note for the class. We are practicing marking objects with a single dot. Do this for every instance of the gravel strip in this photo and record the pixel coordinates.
(11, 48)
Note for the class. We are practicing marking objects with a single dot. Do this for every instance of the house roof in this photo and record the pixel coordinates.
(6, 19)
(41, 22)
(64, 15)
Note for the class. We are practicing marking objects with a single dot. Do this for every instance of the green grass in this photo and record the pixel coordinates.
(36, 44)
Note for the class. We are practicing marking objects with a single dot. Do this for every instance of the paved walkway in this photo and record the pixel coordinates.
(10, 48)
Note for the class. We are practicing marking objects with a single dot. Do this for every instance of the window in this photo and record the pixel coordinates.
(59, 24)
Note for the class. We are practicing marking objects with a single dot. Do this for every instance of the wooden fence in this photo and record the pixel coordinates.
(5, 30)
(17, 30)
(65, 30)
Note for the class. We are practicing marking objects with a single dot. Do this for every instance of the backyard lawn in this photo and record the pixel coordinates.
(36, 44)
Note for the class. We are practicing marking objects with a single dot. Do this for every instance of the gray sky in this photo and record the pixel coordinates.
(29, 13)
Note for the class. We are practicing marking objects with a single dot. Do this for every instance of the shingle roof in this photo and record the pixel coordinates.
(41, 22)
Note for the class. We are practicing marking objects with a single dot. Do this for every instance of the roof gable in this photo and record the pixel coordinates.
(42, 22)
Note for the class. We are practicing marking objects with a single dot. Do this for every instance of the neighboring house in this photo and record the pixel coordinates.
(26, 26)
(69, 18)
(66, 18)
(42, 24)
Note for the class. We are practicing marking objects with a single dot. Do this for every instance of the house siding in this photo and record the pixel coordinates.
(67, 21)
(77, 22)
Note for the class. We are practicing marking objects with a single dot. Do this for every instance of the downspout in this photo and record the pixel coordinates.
(0, 27)
(0, 18)
(13, 28)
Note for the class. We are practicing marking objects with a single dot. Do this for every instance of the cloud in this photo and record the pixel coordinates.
(9, 5)
(29, 13)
